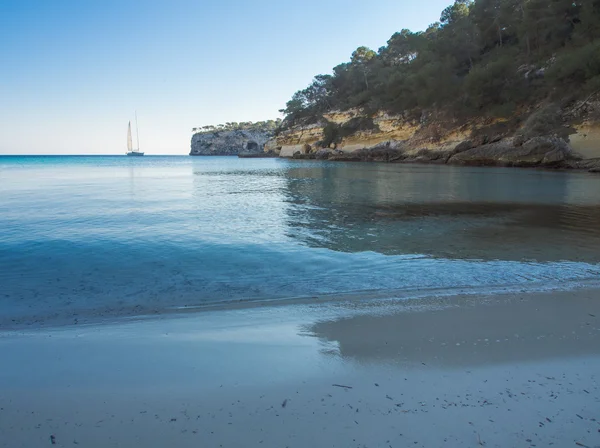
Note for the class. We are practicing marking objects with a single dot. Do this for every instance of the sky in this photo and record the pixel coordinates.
(73, 73)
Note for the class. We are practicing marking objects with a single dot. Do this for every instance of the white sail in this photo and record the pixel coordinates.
(129, 142)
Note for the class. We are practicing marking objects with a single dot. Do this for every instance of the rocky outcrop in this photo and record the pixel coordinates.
(388, 138)
(538, 151)
(257, 155)
(549, 136)
(591, 165)
(229, 143)
(301, 139)
(585, 139)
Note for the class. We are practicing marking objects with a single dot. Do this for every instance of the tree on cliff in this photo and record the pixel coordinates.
(482, 57)
(268, 126)
(361, 61)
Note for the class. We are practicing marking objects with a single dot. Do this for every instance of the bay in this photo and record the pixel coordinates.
(84, 235)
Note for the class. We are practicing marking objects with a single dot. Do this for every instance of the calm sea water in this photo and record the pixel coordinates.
(85, 234)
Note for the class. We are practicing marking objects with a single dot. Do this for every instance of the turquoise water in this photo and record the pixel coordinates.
(118, 235)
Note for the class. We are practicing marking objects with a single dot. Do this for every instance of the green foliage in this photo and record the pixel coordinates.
(402, 48)
(357, 124)
(483, 57)
(495, 83)
(590, 21)
(334, 133)
(542, 122)
(577, 67)
(331, 134)
(362, 56)
(261, 126)
(592, 85)
(307, 105)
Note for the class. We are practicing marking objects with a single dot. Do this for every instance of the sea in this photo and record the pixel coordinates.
(84, 236)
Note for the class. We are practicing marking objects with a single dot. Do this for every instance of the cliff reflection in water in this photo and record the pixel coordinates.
(448, 212)
(464, 331)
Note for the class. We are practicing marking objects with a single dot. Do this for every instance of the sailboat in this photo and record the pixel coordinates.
(130, 150)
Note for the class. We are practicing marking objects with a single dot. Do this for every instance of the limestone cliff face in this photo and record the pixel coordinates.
(544, 136)
(586, 137)
(387, 129)
(228, 143)
(297, 139)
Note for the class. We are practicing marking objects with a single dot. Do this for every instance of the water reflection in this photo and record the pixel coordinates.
(238, 200)
(462, 331)
(448, 212)
(82, 234)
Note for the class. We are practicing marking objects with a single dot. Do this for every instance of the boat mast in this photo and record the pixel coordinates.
(129, 144)
(136, 132)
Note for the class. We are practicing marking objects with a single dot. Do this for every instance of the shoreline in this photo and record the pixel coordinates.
(576, 165)
(572, 166)
(405, 297)
(509, 370)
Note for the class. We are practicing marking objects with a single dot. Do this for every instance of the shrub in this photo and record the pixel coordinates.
(331, 134)
(576, 67)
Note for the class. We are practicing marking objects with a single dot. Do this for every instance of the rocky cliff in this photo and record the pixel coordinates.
(548, 135)
(229, 143)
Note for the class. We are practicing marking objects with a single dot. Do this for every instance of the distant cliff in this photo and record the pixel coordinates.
(229, 143)
(232, 139)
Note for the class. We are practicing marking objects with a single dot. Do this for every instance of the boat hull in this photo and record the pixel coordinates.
(135, 154)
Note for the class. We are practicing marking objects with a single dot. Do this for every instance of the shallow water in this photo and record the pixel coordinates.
(89, 233)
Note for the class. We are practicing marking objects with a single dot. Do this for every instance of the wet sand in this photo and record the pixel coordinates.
(508, 370)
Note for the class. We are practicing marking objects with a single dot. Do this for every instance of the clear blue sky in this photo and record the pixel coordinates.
(73, 73)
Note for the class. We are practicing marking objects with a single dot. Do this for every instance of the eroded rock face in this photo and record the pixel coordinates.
(591, 165)
(538, 151)
(228, 143)
(324, 154)
(547, 136)
(545, 151)
(544, 139)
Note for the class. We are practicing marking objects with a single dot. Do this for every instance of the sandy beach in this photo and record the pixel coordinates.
(511, 370)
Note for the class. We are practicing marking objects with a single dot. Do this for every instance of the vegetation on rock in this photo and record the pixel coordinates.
(268, 126)
(483, 58)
